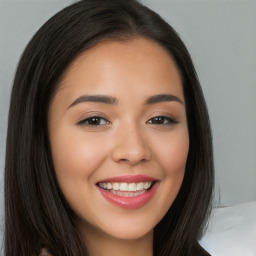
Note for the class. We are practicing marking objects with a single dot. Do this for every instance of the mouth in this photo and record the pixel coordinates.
(124, 189)
(128, 192)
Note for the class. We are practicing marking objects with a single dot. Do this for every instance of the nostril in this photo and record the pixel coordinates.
(132, 153)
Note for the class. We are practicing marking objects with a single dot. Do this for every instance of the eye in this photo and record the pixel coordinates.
(162, 120)
(94, 121)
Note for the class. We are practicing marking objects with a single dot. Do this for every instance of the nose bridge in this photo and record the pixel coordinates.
(131, 144)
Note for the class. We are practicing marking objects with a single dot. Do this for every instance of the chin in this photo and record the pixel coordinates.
(131, 234)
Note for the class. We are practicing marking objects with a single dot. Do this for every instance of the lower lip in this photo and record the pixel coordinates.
(129, 202)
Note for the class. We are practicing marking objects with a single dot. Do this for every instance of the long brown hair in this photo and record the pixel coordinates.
(36, 213)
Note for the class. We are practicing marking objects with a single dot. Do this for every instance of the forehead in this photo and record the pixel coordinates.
(137, 64)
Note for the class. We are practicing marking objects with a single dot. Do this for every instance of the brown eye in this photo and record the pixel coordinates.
(94, 121)
(162, 120)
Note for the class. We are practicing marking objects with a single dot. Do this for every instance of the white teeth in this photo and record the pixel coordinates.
(140, 186)
(116, 186)
(132, 187)
(101, 185)
(147, 185)
(127, 193)
(109, 186)
(129, 187)
(123, 187)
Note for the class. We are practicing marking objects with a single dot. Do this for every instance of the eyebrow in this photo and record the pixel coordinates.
(114, 101)
(95, 98)
(163, 98)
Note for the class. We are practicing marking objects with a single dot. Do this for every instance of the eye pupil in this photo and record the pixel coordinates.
(94, 121)
(158, 120)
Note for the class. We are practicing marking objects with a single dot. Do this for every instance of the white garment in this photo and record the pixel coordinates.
(232, 231)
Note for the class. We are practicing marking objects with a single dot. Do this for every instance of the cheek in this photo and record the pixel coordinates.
(172, 153)
(75, 156)
(172, 156)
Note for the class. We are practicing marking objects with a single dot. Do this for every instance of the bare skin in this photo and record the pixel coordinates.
(110, 246)
(140, 128)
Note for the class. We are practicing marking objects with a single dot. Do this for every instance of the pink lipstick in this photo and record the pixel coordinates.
(129, 178)
(130, 191)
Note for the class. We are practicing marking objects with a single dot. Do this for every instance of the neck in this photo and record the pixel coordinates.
(105, 245)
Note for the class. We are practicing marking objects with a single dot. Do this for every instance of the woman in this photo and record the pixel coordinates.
(109, 145)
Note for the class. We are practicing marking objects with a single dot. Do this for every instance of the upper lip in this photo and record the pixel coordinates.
(129, 179)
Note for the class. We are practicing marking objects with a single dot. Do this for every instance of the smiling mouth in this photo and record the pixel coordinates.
(128, 191)
(124, 189)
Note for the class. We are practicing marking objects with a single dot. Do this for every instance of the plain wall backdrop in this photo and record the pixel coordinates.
(221, 38)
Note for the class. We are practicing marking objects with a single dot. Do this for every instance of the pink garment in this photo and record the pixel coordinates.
(44, 252)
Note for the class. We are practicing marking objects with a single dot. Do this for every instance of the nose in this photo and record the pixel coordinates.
(131, 146)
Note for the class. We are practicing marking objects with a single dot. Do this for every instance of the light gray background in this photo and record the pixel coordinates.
(221, 37)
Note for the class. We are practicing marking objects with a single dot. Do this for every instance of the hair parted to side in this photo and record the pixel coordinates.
(36, 213)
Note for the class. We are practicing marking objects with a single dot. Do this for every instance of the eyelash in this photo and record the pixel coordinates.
(94, 118)
(98, 119)
(167, 120)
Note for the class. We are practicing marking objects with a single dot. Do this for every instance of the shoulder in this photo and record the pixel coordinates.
(198, 250)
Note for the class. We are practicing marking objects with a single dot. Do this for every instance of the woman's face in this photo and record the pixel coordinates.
(119, 137)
